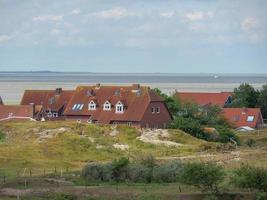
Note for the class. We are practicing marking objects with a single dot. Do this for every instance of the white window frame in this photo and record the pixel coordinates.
(153, 110)
(107, 106)
(157, 110)
(92, 105)
(55, 115)
(119, 107)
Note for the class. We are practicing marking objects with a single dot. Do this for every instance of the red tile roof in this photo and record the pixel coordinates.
(204, 99)
(49, 99)
(134, 98)
(8, 112)
(239, 117)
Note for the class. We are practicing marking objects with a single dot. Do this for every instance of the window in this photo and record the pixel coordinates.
(91, 105)
(49, 114)
(55, 115)
(119, 107)
(10, 114)
(236, 118)
(250, 119)
(153, 110)
(129, 123)
(158, 109)
(107, 106)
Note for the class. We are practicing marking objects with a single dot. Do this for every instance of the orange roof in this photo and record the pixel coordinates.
(16, 112)
(49, 99)
(206, 98)
(134, 98)
(239, 117)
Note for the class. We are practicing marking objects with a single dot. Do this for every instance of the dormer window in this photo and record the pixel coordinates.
(92, 105)
(119, 107)
(107, 106)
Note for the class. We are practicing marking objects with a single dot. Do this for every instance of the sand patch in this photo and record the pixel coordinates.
(157, 137)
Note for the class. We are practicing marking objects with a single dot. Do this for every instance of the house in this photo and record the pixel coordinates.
(17, 112)
(132, 105)
(221, 99)
(244, 117)
(51, 102)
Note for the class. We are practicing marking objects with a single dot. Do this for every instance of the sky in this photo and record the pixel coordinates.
(134, 36)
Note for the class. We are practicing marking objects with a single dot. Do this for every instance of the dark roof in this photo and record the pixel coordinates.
(206, 98)
(16, 112)
(134, 98)
(239, 117)
(49, 99)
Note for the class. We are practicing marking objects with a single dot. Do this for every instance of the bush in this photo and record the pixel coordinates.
(250, 142)
(167, 172)
(120, 169)
(97, 172)
(225, 134)
(250, 177)
(2, 137)
(139, 173)
(64, 197)
(206, 177)
(190, 126)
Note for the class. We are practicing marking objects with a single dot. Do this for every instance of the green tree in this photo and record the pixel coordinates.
(189, 125)
(171, 101)
(250, 177)
(205, 176)
(245, 96)
(262, 100)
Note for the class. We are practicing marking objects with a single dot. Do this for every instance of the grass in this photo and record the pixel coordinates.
(78, 145)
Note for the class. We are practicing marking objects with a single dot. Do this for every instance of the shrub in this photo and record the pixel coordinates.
(2, 137)
(250, 142)
(64, 197)
(250, 177)
(139, 173)
(120, 169)
(225, 134)
(167, 172)
(97, 172)
(190, 126)
(206, 177)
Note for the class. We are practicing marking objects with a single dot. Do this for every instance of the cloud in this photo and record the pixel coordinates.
(167, 14)
(4, 38)
(198, 15)
(48, 18)
(54, 32)
(250, 23)
(76, 11)
(114, 13)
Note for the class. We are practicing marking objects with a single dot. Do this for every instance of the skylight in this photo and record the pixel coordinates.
(250, 119)
(77, 107)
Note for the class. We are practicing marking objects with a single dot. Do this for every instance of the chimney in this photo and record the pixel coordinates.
(58, 91)
(33, 109)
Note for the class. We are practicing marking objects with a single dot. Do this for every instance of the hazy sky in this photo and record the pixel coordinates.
(214, 36)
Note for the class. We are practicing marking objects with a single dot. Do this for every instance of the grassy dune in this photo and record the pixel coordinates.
(43, 146)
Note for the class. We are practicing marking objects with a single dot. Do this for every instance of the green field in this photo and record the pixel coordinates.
(50, 155)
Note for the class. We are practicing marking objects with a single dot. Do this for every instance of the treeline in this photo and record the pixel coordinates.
(207, 177)
(193, 119)
(249, 97)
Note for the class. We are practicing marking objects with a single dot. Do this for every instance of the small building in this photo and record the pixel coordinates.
(17, 112)
(244, 117)
(52, 103)
(221, 99)
(132, 105)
